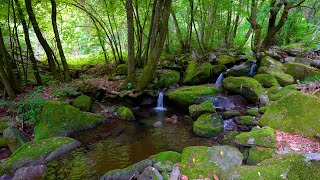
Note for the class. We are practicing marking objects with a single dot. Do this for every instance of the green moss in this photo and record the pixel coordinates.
(33, 150)
(267, 80)
(167, 156)
(168, 78)
(289, 166)
(271, 63)
(3, 125)
(199, 162)
(225, 59)
(122, 69)
(204, 74)
(262, 110)
(248, 87)
(57, 118)
(230, 114)
(190, 76)
(217, 69)
(188, 95)
(245, 120)
(294, 113)
(273, 90)
(283, 78)
(83, 103)
(3, 143)
(208, 125)
(258, 154)
(283, 91)
(263, 137)
(300, 71)
(253, 112)
(125, 113)
(230, 137)
(197, 110)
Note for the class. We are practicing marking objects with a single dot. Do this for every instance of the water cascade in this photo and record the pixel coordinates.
(219, 80)
(252, 68)
(160, 103)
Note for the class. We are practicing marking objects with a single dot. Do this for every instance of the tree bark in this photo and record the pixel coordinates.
(42, 41)
(130, 25)
(58, 41)
(6, 81)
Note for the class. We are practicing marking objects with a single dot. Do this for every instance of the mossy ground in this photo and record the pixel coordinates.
(263, 137)
(32, 151)
(188, 95)
(58, 118)
(276, 94)
(83, 103)
(289, 166)
(295, 113)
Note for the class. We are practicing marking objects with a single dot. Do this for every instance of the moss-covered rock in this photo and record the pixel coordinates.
(208, 125)
(36, 153)
(83, 103)
(229, 139)
(125, 113)
(226, 60)
(283, 78)
(14, 138)
(294, 113)
(205, 73)
(3, 143)
(199, 162)
(241, 70)
(267, 80)
(253, 112)
(230, 114)
(122, 69)
(190, 76)
(188, 95)
(276, 94)
(262, 110)
(258, 154)
(4, 125)
(248, 87)
(244, 120)
(300, 71)
(271, 63)
(197, 110)
(58, 119)
(165, 161)
(288, 166)
(273, 90)
(167, 78)
(217, 70)
(263, 137)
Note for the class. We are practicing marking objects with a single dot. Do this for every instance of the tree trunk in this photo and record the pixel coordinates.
(182, 45)
(131, 63)
(58, 41)
(6, 81)
(42, 41)
(28, 43)
(157, 39)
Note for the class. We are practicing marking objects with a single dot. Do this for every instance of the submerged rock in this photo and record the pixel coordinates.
(38, 153)
(288, 166)
(83, 103)
(197, 110)
(59, 119)
(263, 137)
(199, 162)
(248, 87)
(188, 95)
(300, 71)
(125, 113)
(294, 113)
(208, 125)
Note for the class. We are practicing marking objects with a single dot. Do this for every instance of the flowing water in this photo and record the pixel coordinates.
(219, 80)
(160, 103)
(252, 68)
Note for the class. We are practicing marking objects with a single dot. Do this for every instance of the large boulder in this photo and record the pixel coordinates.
(59, 119)
(267, 80)
(288, 166)
(294, 113)
(14, 138)
(263, 137)
(38, 153)
(244, 69)
(300, 71)
(200, 162)
(283, 78)
(208, 125)
(188, 95)
(197, 74)
(226, 60)
(276, 93)
(83, 103)
(167, 78)
(269, 62)
(197, 110)
(248, 87)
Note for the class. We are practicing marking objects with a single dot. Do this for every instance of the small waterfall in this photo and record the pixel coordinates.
(160, 103)
(252, 68)
(219, 80)
(229, 125)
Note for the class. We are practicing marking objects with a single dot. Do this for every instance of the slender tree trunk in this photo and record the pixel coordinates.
(58, 41)
(131, 63)
(159, 31)
(100, 39)
(6, 81)
(182, 45)
(42, 41)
